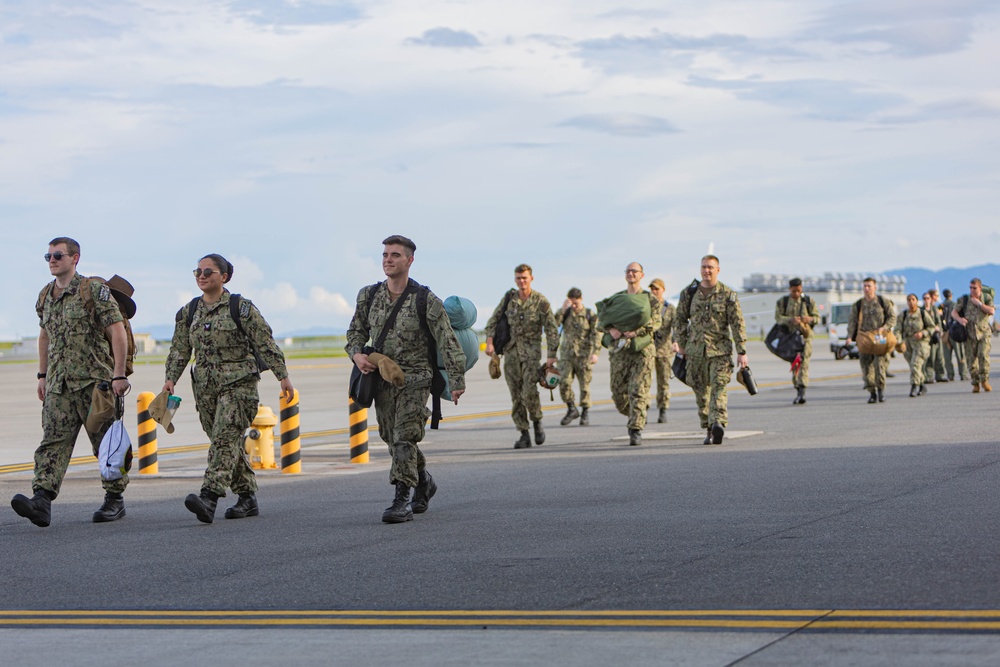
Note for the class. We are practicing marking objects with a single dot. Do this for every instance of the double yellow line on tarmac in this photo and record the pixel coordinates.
(933, 621)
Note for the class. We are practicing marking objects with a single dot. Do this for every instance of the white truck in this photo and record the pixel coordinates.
(840, 315)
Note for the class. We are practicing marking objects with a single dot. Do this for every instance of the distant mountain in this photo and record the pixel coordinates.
(957, 280)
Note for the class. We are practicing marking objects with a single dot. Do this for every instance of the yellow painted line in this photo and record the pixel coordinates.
(781, 620)
(183, 449)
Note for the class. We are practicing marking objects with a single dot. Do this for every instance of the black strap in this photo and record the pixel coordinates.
(391, 320)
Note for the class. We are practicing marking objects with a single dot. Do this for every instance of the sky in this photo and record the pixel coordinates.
(791, 136)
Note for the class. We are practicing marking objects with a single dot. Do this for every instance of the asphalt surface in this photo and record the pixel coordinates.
(831, 533)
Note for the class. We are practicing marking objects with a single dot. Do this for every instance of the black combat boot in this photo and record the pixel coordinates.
(571, 414)
(524, 441)
(881, 396)
(634, 437)
(708, 438)
(584, 416)
(244, 507)
(112, 509)
(426, 488)
(662, 419)
(203, 505)
(37, 509)
(872, 398)
(539, 432)
(400, 510)
(913, 390)
(800, 396)
(717, 433)
(922, 390)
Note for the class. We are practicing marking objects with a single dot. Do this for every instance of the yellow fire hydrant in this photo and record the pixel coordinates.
(259, 439)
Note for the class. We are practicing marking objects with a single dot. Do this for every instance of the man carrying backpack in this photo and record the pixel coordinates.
(402, 411)
(577, 354)
(797, 312)
(973, 311)
(74, 357)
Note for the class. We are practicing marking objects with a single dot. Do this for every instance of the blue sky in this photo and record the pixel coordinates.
(795, 136)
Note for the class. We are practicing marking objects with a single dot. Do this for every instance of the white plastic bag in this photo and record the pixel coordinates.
(114, 452)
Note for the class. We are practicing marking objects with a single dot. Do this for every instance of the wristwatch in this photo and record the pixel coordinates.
(41, 375)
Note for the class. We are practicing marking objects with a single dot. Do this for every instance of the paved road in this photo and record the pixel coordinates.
(831, 533)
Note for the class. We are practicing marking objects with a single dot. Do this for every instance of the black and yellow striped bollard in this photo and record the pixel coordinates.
(358, 421)
(291, 442)
(148, 464)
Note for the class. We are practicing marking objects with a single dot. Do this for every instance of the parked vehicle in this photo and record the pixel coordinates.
(840, 315)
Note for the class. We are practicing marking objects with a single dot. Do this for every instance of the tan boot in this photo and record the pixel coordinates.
(986, 386)
(975, 388)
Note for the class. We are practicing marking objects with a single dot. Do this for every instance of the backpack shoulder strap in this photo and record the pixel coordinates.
(192, 307)
(44, 295)
(784, 304)
(87, 294)
(369, 296)
(234, 312)
(437, 379)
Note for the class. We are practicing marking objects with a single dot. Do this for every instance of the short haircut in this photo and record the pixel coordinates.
(925, 295)
(574, 293)
(947, 293)
(222, 264)
(932, 291)
(523, 268)
(795, 282)
(637, 263)
(713, 257)
(915, 297)
(871, 280)
(976, 281)
(396, 239)
(72, 246)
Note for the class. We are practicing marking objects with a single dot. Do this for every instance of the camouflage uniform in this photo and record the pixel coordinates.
(224, 378)
(934, 364)
(917, 349)
(402, 412)
(632, 372)
(706, 328)
(664, 341)
(579, 343)
(949, 348)
(977, 347)
(877, 313)
(79, 356)
(523, 354)
(784, 310)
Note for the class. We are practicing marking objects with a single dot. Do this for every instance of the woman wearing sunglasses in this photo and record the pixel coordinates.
(224, 378)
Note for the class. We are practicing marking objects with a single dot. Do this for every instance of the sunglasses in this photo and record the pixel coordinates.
(49, 256)
(208, 273)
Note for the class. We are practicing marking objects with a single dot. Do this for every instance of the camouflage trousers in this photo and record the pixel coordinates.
(873, 370)
(631, 379)
(402, 415)
(709, 379)
(977, 355)
(63, 415)
(662, 367)
(522, 380)
(934, 364)
(800, 378)
(226, 413)
(916, 355)
(575, 367)
(958, 350)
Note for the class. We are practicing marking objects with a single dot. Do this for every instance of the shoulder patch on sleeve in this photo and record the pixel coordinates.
(244, 308)
(104, 294)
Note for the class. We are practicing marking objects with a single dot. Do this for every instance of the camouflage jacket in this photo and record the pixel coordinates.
(708, 326)
(78, 353)
(908, 324)
(786, 308)
(528, 319)
(663, 338)
(978, 324)
(876, 314)
(406, 343)
(222, 355)
(579, 334)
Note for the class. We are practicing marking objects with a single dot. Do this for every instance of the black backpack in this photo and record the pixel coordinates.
(234, 312)
(501, 334)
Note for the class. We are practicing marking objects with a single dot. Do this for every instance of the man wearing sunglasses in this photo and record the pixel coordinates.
(74, 356)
